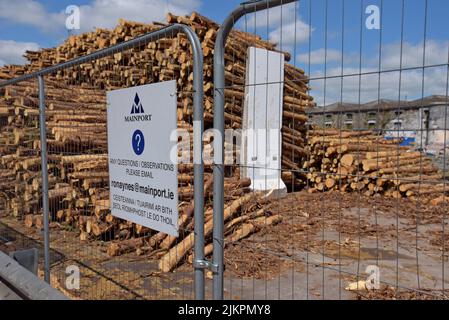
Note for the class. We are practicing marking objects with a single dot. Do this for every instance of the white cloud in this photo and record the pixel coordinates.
(412, 54)
(320, 56)
(32, 13)
(368, 89)
(100, 13)
(272, 17)
(283, 24)
(106, 13)
(11, 52)
(290, 34)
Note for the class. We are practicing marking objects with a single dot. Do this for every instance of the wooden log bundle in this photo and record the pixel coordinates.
(365, 162)
(169, 59)
(77, 140)
(78, 179)
(20, 161)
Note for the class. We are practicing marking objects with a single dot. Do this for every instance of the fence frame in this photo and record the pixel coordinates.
(199, 264)
(244, 8)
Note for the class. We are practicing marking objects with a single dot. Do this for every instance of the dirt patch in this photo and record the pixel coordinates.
(346, 233)
(324, 242)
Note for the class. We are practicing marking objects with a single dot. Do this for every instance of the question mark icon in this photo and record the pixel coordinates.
(138, 142)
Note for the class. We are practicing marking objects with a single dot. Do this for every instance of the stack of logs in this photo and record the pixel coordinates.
(70, 133)
(78, 177)
(77, 141)
(365, 162)
(169, 59)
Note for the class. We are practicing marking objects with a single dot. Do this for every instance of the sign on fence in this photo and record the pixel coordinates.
(143, 179)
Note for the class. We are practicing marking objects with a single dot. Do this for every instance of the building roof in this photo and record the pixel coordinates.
(381, 105)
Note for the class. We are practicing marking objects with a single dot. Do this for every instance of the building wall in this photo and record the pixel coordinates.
(439, 125)
(427, 125)
(353, 120)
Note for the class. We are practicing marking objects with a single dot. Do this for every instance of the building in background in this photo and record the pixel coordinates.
(422, 122)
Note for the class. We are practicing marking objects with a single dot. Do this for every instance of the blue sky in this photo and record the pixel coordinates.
(30, 24)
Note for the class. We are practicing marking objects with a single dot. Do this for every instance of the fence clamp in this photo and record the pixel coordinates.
(205, 264)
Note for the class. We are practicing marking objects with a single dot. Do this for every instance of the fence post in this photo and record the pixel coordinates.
(43, 137)
(219, 98)
(198, 162)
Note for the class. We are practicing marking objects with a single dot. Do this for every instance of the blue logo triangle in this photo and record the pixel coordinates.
(137, 105)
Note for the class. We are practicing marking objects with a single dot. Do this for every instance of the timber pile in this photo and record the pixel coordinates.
(169, 59)
(77, 144)
(78, 180)
(76, 124)
(365, 162)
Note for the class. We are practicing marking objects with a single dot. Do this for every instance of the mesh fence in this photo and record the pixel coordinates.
(344, 140)
(95, 255)
(335, 156)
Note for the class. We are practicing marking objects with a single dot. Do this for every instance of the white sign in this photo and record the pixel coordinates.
(142, 178)
(262, 120)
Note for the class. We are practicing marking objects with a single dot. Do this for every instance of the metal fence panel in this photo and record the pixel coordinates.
(361, 91)
(363, 131)
(88, 253)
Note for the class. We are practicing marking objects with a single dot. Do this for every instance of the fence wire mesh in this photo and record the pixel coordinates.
(343, 197)
(349, 194)
(95, 255)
